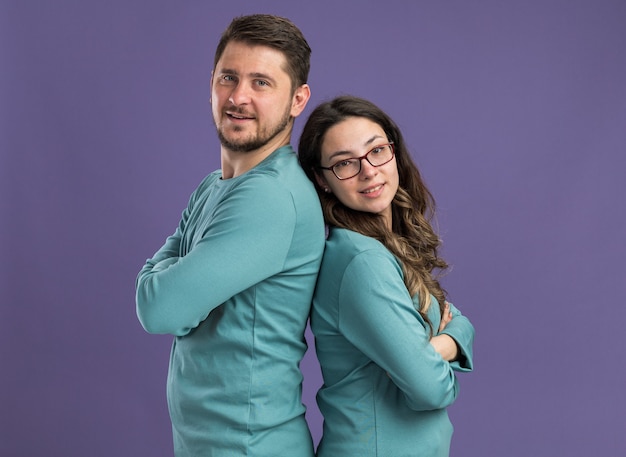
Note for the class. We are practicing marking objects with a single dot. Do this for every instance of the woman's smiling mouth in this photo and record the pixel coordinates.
(371, 190)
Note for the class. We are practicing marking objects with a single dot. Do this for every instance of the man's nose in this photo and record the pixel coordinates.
(240, 95)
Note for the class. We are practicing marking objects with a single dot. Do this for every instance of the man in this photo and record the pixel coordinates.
(234, 282)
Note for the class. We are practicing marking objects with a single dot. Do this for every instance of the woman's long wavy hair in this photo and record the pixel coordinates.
(412, 239)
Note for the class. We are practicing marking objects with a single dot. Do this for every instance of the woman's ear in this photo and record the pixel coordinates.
(321, 181)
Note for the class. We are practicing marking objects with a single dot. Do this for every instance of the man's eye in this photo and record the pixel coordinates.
(262, 83)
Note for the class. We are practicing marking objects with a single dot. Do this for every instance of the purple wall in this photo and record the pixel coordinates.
(516, 112)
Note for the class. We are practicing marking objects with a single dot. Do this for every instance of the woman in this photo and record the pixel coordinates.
(386, 338)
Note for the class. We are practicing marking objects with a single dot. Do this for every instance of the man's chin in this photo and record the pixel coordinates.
(239, 144)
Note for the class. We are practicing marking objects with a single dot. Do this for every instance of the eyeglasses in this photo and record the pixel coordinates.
(349, 168)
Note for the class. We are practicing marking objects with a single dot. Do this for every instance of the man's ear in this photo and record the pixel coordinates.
(300, 98)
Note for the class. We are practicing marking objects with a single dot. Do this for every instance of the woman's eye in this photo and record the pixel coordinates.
(344, 163)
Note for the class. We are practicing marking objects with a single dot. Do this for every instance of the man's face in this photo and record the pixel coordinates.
(252, 99)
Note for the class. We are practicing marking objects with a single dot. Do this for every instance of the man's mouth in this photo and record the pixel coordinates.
(238, 116)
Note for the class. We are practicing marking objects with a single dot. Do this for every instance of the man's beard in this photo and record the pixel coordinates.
(257, 141)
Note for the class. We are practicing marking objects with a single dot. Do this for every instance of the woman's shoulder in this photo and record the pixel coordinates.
(349, 239)
(347, 245)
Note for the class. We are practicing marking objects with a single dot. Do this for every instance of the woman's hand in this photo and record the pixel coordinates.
(445, 344)
(446, 317)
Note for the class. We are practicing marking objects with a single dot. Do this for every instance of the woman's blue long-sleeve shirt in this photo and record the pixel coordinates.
(385, 388)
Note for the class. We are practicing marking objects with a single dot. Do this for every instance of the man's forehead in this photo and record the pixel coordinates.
(238, 53)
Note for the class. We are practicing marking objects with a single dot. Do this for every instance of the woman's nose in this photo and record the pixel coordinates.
(367, 169)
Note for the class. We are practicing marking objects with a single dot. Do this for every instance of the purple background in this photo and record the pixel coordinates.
(515, 111)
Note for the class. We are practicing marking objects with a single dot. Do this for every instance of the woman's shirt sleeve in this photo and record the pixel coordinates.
(376, 314)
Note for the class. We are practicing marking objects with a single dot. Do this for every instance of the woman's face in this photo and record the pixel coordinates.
(373, 188)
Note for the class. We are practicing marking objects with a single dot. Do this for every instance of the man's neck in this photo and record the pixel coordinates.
(237, 163)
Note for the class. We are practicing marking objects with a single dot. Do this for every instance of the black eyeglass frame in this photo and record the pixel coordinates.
(360, 159)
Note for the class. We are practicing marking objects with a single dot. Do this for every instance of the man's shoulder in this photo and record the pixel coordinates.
(210, 179)
(281, 164)
(281, 173)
